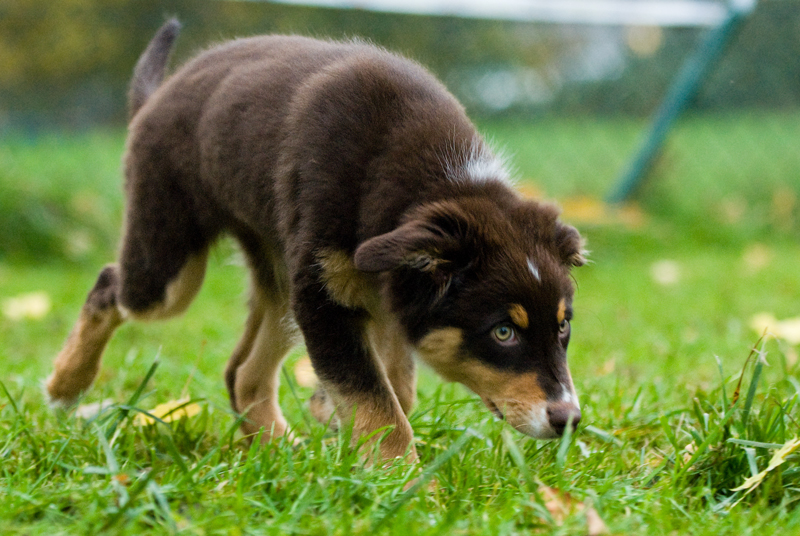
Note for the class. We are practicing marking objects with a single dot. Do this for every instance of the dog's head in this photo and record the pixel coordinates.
(483, 288)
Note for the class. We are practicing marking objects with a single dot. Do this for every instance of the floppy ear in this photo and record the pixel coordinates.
(570, 245)
(416, 244)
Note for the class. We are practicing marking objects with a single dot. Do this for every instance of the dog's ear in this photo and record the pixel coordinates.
(413, 245)
(570, 245)
(435, 245)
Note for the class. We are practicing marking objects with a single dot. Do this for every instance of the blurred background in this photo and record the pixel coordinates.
(569, 102)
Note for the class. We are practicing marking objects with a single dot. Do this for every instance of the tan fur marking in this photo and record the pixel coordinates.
(345, 284)
(440, 349)
(245, 345)
(518, 315)
(257, 377)
(393, 352)
(179, 292)
(562, 311)
(78, 362)
(516, 395)
(374, 414)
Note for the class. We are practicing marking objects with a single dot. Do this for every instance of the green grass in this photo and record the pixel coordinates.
(659, 450)
(719, 177)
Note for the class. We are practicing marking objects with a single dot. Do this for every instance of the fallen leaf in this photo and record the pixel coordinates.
(777, 459)
(733, 209)
(608, 367)
(666, 272)
(560, 505)
(595, 523)
(784, 205)
(32, 306)
(557, 503)
(689, 452)
(788, 330)
(530, 190)
(168, 412)
(304, 373)
(757, 257)
(593, 211)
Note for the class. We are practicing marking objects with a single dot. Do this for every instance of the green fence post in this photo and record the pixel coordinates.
(685, 87)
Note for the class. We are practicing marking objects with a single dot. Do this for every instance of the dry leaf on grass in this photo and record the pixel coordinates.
(757, 257)
(171, 411)
(594, 211)
(561, 505)
(530, 190)
(666, 272)
(777, 459)
(788, 330)
(32, 306)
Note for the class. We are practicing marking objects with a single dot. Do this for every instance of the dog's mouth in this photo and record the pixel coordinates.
(494, 409)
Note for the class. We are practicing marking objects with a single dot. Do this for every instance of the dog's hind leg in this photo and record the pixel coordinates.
(254, 319)
(160, 270)
(77, 364)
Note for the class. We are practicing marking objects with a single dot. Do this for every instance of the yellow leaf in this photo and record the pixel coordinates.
(757, 257)
(33, 306)
(168, 412)
(587, 210)
(777, 459)
(561, 505)
(666, 272)
(788, 330)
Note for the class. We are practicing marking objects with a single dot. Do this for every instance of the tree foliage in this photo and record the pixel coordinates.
(69, 61)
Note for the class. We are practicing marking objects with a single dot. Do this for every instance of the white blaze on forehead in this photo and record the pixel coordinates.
(534, 270)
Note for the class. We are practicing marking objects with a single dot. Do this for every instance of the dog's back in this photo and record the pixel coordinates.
(370, 212)
(275, 111)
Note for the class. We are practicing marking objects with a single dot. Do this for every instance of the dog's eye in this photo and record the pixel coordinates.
(504, 334)
(563, 327)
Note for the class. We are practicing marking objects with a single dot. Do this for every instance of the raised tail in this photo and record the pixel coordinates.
(149, 70)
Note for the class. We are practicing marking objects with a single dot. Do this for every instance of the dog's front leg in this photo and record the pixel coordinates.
(340, 352)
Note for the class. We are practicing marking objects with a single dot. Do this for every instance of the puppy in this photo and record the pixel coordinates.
(374, 219)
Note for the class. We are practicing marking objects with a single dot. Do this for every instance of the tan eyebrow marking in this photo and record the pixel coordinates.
(518, 315)
(562, 310)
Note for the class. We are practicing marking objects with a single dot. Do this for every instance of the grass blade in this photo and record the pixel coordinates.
(34, 446)
(424, 478)
(124, 412)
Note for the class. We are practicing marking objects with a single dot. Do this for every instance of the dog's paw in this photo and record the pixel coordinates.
(56, 401)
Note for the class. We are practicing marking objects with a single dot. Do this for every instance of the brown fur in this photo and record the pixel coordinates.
(373, 217)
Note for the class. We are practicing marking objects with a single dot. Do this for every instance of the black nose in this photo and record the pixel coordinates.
(561, 413)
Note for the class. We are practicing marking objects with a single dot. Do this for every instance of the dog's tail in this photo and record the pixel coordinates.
(149, 70)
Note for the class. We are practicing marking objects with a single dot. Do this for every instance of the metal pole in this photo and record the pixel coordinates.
(685, 87)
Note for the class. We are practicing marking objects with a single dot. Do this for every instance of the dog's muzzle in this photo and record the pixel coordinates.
(547, 420)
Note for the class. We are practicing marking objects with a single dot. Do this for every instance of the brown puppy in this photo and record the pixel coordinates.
(373, 217)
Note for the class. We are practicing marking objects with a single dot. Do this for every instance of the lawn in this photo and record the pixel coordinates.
(678, 410)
